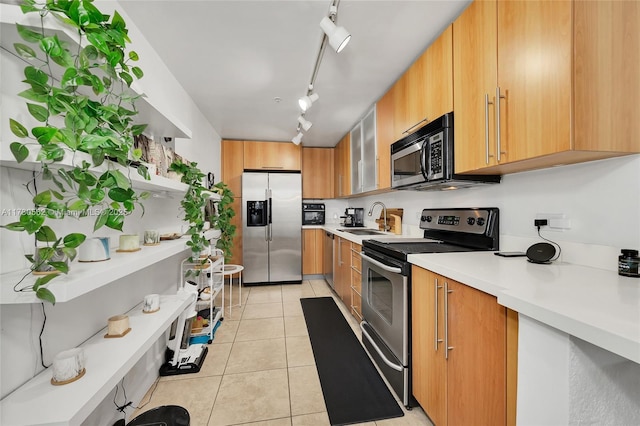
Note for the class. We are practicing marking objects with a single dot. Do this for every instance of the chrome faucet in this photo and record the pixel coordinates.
(384, 209)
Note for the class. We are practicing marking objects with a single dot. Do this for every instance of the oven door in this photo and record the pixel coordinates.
(385, 305)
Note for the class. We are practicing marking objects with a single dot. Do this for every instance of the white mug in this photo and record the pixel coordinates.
(151, 303)
(68, 364)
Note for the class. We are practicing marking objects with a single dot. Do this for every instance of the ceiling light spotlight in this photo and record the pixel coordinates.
(338, 36)
(306, 124)
(306, 101)
(297, 138)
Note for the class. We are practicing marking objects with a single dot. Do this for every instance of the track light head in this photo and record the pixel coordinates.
(338, 36)
(306, 124)
(306, 101)
(297, 138)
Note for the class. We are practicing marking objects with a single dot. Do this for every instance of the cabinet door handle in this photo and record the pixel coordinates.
(486, 127)
(498, 141)
(435, 288)
(360, 175)
(446, 320)
(377, 172)
(426, 119)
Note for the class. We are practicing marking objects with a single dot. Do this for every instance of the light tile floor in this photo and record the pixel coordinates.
(260, 368)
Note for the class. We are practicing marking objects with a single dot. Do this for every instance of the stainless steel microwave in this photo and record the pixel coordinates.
(424, 160)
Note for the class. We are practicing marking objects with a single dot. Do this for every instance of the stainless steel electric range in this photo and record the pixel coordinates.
(386, 283)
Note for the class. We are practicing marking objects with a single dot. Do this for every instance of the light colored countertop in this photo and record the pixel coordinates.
(358, 239)
(596, 305)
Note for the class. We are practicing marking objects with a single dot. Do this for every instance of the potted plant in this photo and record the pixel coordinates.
(81, 112)
(222, 220)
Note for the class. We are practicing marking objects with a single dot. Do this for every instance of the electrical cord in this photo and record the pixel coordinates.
(44, 322)
(554, 244)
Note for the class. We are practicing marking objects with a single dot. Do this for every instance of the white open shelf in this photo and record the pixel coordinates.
(154, 184)
(38, 402)
(86, 277)
(160, 123)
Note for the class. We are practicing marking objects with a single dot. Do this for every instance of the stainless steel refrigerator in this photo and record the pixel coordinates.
(272, 228)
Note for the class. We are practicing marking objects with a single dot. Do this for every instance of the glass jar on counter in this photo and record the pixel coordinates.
(629, 263)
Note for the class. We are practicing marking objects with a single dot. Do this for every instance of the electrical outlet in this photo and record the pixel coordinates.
(555, 221)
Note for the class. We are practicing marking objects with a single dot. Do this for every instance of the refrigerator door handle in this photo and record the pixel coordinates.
(269, 210)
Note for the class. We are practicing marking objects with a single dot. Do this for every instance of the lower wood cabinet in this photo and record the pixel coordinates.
(459, 338)
(312, 251)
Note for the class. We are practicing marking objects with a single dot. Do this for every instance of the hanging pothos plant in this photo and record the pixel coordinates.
(222, 220)
(79, 99)
(193, 206)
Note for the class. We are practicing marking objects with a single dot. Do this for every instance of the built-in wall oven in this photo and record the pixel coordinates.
(386, 283)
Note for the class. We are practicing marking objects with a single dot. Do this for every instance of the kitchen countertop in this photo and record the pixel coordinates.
(358, 239)
(596, 305)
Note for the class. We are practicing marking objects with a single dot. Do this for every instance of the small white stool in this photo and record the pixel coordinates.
(229, 271)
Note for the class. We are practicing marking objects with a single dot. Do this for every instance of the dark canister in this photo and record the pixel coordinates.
(629, 263)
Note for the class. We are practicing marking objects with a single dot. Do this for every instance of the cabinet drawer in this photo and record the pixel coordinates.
(356, 305)
(356, 261)
(356, 281)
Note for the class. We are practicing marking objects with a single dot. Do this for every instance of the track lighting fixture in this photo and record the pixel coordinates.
(306, 124)
(297, 138)
(338, 36)
(306, 101)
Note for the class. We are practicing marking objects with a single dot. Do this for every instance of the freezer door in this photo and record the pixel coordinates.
(255, 247)
(285, 246)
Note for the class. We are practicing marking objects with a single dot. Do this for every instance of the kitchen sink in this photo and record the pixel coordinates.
(362, 231)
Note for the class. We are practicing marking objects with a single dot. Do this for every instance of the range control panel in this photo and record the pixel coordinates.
(468, 220)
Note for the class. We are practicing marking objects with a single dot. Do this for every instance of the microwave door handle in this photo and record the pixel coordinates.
(423, 159)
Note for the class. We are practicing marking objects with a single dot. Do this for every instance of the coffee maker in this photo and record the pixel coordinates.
(354, 216)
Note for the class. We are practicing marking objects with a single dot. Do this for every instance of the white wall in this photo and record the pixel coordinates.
(71, 323)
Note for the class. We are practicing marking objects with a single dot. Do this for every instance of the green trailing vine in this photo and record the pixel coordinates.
(222, 220)
(79, 98)
(193, 206)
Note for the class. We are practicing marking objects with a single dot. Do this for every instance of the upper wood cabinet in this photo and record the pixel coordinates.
(342, 160)
(423, 93)
(364, 160)
(272, 156)
(459, 364)
(317, 172)
(425, 90)
(538, 84)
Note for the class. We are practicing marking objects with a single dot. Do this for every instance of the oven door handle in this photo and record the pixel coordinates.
(380, 264)
(382, 356)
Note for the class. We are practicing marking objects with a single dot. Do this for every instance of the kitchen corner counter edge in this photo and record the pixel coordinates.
(596, 305)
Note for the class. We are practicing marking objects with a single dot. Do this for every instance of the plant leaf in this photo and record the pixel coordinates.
(38, 112)
(60, 266)
(45, 234)
(120, 194)
(101, 220)
(77, 205)
(18, 129)
(14, 226)
(45, 134)
(70, 252)
(44, 293)
(137, 129)
(144, 172)
(137, 72)
(31, 222)
(24, 51)
(35, 75)
(43, 198)
(73, 240)
(115, 221)
(19, 151)
(133, 55)
(51, 46)
(27, 34)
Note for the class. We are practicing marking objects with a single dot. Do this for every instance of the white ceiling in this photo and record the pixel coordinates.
(235, 57)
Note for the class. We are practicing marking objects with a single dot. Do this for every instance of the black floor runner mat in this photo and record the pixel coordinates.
(353, 390)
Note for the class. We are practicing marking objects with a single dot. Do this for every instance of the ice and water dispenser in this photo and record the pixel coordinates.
(257, 213)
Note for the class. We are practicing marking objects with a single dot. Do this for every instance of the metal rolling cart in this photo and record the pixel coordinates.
(187, 350)
(209, 279)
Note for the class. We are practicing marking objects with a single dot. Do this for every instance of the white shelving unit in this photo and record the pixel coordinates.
(213, 278)
(38, 402)
(86, 277)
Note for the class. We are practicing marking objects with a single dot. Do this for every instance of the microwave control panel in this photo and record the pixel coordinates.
(435, 157)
